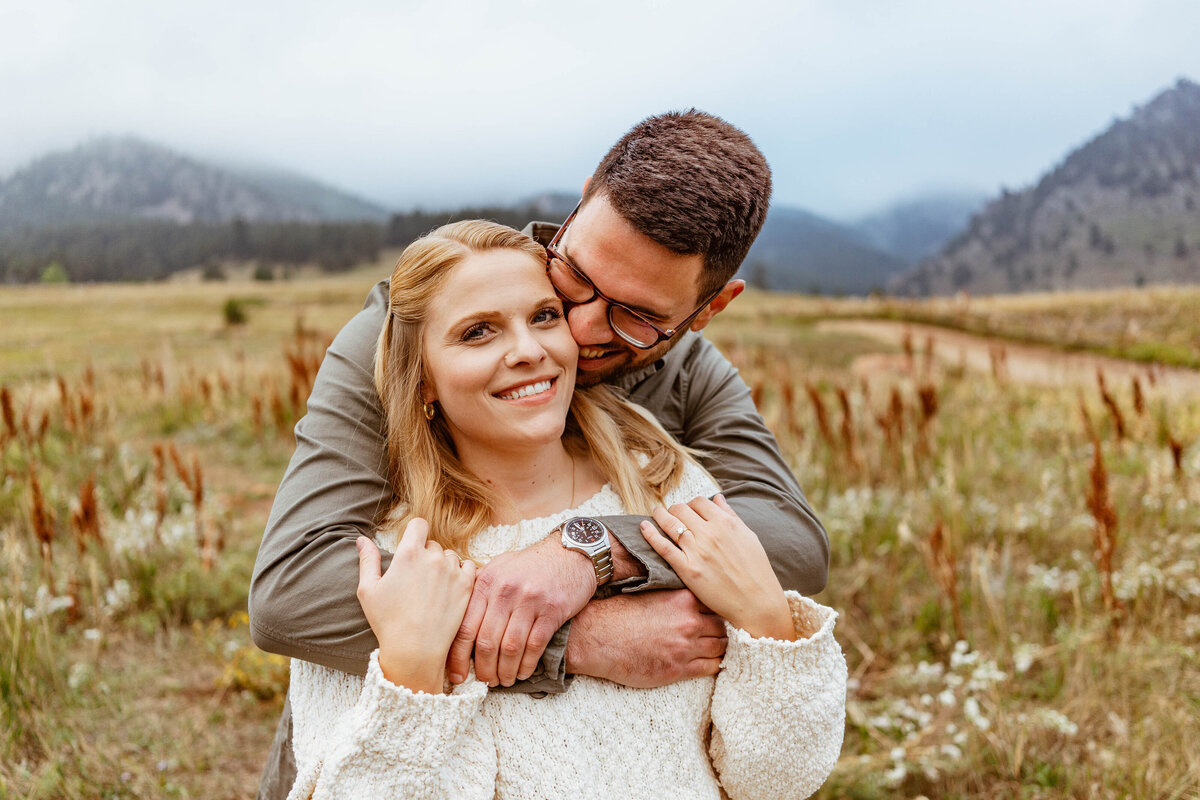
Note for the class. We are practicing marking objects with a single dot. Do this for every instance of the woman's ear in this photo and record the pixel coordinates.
(428, 395)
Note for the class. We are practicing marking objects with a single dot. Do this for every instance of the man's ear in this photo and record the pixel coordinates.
(717, 304)
(586, 183)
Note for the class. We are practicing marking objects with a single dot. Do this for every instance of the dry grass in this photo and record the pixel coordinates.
(973, 521)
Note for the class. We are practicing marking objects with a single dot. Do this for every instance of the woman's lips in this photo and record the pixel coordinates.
(527, 390)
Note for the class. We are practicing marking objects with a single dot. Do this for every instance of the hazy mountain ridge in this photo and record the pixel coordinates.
(801, 251)
(1119, 210)
(915, 228)
(123, 190)
(112, 178)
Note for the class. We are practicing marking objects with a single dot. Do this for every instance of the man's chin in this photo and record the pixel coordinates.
(621, 362)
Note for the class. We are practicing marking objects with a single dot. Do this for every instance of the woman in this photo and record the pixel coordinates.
(490, 446)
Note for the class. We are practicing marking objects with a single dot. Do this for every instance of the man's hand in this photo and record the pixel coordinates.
(520, 600)
(646, 640)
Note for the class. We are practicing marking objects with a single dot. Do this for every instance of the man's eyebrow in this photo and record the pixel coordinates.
(646, 312)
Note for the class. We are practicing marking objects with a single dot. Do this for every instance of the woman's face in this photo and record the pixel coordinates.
(499, 357)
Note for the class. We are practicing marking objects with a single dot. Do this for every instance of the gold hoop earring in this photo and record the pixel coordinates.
(430, 411)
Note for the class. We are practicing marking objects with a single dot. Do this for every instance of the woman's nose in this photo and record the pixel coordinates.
(526, 349)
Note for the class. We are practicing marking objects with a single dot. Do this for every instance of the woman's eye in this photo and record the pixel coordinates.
(475, 332)
(548, 314)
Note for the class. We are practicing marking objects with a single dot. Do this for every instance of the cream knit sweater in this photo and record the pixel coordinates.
(769, 725)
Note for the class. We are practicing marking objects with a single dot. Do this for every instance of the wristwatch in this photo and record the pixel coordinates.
(590, 537)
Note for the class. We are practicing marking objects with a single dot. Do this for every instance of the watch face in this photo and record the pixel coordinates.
(584, 531)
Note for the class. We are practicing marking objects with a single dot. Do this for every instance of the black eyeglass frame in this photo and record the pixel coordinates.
(663, 334)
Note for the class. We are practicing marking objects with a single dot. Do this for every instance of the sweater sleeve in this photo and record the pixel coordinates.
(369, 738)
(779, 709)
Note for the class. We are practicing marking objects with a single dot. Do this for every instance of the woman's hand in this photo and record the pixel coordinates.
(414, 608)
(723, 563)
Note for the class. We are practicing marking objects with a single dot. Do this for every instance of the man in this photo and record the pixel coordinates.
(643, 264)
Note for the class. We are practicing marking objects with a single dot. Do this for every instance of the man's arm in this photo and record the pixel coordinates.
(708, 406)
(302, 593)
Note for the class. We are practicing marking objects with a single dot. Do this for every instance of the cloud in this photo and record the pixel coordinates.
(444, 102)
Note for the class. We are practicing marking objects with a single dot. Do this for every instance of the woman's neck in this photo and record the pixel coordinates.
(533, 483)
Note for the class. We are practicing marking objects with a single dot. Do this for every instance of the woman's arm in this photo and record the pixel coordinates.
(369, 738)
(394, 734)
(779, 706)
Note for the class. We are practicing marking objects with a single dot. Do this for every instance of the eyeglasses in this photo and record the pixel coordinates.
(577, 289)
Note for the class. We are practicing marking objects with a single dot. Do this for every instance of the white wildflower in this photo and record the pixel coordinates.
(45, 603)
(79, 675)
(1023, 657)
(973, 714)
(92, 635)
(117, 596)
(896, 775)
(951, 751)
(1057, 721)
(947, 698)
(984, 675)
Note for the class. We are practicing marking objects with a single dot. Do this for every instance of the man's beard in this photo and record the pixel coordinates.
(631, 361)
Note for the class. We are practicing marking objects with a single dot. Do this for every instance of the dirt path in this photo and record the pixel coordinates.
(1024, 362)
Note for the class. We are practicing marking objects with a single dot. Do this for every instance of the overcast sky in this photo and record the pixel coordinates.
(854, 102)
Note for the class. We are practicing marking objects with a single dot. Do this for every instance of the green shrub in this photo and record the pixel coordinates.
(234, 311)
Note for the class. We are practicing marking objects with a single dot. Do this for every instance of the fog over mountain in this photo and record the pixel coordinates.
(113, 178)
(915, 228)
(1121, 210)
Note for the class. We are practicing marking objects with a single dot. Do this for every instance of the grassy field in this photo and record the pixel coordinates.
(1157, 326)
(1017, 568)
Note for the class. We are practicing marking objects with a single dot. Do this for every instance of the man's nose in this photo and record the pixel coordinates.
(589, 322)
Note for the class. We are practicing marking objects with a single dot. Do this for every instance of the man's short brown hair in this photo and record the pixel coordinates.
(693, 183)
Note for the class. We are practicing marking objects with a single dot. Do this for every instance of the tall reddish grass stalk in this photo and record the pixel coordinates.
(1176, 455)
(42, 520)
(85, 516)
(1104, 535)
(1111, 403)
(160, 489)
(847, 428)
(942, 562)
(822, 416)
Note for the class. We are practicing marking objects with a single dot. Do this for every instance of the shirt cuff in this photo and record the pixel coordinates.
(659, 575)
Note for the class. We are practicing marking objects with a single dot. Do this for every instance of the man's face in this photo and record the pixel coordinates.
(637, 271)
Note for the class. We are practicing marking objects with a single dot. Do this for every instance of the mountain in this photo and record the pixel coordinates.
(120, 178)
(915, 228)
(1120, 210)
(800, 251)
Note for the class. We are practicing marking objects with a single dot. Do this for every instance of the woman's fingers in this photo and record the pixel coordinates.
(687, 517)
(663, 546)
(670, 523)
(368, 563)
(416, 532)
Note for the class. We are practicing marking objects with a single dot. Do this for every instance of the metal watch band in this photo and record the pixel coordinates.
(603, 563)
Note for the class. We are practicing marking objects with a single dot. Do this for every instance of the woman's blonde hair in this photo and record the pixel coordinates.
(427, 478)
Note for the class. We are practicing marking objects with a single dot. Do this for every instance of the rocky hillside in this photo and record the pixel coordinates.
(1122, 210)
(116, 178)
